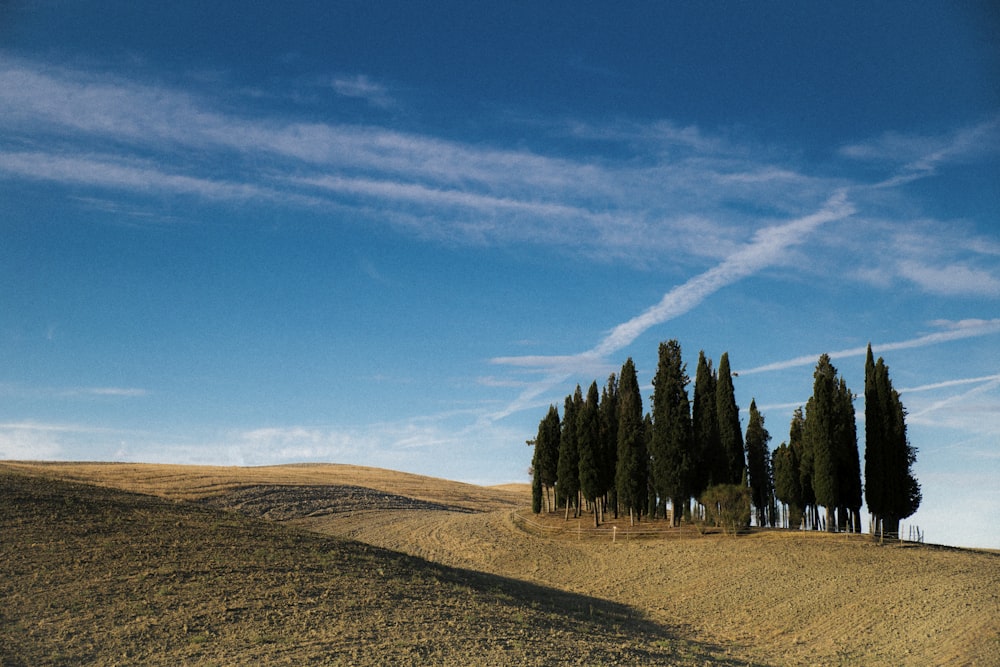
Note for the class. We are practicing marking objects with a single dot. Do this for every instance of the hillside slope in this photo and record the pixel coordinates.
(776, 597)
(92, 575)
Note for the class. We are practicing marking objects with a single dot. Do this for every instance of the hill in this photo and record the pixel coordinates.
(472, 578)
(96, 575)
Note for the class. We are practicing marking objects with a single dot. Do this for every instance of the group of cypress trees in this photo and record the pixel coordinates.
(605, 452)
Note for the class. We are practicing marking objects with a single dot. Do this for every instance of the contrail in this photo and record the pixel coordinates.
(963, 330)
(950, 383)
(768, 245)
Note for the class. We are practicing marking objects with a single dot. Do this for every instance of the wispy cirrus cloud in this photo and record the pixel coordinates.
(952, 331)
(37, 440)
(676, 192)
(766, 247)
(952, 279)
(917, 156)
(672, 187)
(135, 176)
(950, 383)
(20, 391)
(152, 139)
(360, 86)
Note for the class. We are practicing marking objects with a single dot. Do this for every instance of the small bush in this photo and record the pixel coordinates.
(727, 506)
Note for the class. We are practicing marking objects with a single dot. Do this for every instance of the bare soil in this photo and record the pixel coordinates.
(98, 576)
(499, 586)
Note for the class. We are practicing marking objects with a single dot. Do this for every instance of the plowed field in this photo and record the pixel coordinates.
(777, 598)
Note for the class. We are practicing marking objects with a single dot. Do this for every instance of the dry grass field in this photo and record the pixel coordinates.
(347, 565)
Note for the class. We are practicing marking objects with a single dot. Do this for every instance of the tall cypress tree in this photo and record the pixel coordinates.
(568, 469)
(711, 464)
(609, 442)
(536, 483)
(876, 441)
(797, 442)
(651, 497)
(588, 434)
(891, 490)
(631, 467)
(820, 438)
(730, 431)
(546, 461)
(672, 437)
(758, 465)
(831, 440)
(787, 487)
(848, 462)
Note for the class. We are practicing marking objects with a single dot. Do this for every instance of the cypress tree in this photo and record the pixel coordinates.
(651, 499)
(730, 432)
(568, 469)
(672, 437)
(536, 486)
(711, 464)
(609, 443)
(876, 441)
(630, 469)
(891, 490)
(820, 440)
(546, 462)
(848, 463)
(758, 468)
(831, 441)
(798, 443)
(787, 487)
(588, 433)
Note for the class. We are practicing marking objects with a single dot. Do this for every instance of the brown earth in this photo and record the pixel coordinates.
(507, 586)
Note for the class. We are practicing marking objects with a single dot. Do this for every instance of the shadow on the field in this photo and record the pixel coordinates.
(148, 572)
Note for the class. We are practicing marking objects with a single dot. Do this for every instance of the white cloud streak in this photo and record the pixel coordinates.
(361, 87)
(951, 280)
(920, 156)
(154, 140)
(767, 246)
(987, 385)
(699, 196)
(956, 331)
(950, 383)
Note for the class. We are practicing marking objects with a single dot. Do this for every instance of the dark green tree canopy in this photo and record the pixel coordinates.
(891, 490)
(568, 469)
(547, 447)
(608, 451)
(588, 434)
(711, 463)
(831, 446)
(633, 460)
(672, 436)
(609, 436)
(758, 465)
(730, 431)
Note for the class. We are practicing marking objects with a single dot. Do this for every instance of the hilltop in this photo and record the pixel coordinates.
(115, 563)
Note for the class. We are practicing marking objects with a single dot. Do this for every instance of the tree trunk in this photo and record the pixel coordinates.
(677, 515)
(831, 524)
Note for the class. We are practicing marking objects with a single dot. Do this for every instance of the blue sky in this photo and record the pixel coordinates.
(393, 233)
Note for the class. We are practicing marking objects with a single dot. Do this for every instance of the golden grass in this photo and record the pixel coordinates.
(775, 597)
(180, 482)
